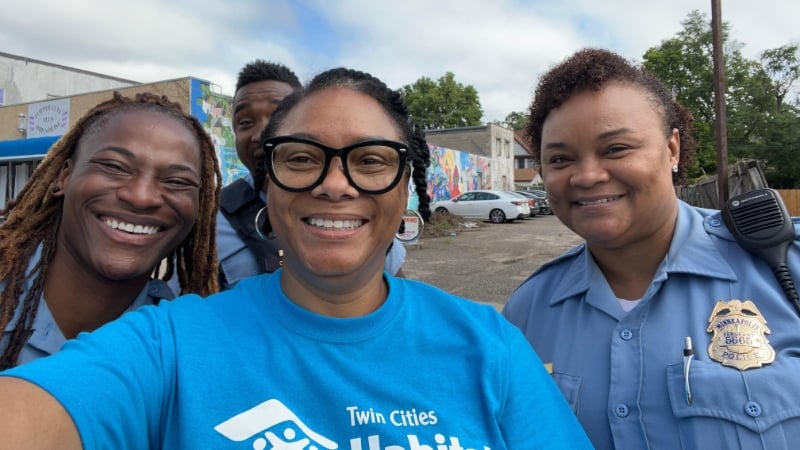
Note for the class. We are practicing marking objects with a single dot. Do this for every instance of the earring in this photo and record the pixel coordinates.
(675, 168)
(263, 226)
(55, 189)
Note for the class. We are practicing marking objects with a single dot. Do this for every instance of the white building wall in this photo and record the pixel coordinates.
(502, 141)
(26, 80)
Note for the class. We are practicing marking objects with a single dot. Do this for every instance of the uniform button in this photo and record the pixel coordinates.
(152, 289)
(621, 410)
(715, 222)
(752, 409)
(626, 335)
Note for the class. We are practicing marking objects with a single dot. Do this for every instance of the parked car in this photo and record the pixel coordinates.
(533, 201)
(536, 203)
(497, 206)
(545, 207)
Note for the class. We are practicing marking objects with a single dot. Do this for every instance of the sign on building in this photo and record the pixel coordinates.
(49, 118)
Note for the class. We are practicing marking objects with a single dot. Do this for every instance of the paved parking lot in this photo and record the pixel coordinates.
(487, 263)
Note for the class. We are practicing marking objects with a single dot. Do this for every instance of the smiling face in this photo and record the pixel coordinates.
(253, 105)
(334, 230)
(130, 194)
(607, 166)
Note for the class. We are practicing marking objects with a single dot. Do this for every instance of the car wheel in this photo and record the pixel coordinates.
(497, 216)
(442, 210)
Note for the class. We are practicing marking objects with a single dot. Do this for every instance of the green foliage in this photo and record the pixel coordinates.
(515, 120)
(779, 146)
(761, 123)
(444, 103)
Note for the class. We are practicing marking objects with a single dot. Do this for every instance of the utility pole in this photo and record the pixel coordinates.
(720, 126)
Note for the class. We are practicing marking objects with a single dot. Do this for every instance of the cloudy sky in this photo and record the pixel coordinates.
(500, 47)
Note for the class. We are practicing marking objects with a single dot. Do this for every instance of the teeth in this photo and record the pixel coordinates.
(336, 224)
(131, 228)
(597, 202)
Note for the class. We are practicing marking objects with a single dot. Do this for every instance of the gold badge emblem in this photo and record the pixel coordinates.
(739, 335)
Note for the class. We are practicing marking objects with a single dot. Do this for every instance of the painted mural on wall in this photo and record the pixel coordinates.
(214, 111)
(453, 172)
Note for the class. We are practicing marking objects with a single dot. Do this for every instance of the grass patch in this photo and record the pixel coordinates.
(439, 225)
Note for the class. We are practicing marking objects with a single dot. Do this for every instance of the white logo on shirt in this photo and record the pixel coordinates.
(265, 418)
(273, 426)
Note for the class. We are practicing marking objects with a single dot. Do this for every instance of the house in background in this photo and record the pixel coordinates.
(526, 171)
(526, 179)
(490, 141)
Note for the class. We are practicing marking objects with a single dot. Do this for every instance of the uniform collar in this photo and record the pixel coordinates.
(691, 251)
(249, 179)
(46, 336)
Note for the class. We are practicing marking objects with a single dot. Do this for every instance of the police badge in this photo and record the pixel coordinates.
(739, 335)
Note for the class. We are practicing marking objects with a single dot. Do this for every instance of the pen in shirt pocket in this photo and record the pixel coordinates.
(688, 356)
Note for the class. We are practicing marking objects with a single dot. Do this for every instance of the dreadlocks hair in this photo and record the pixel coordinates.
(35, 216)
(260, 70)
(391, 101)
(589, 70)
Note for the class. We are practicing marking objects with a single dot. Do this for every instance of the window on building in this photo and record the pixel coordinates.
(13, 176)
(498, 146)
(507, 148)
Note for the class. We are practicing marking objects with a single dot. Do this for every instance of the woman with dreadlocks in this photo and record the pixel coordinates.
(329, 351)
(132, 184)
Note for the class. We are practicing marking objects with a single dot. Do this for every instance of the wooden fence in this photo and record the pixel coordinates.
(743, 176)
(791, 197)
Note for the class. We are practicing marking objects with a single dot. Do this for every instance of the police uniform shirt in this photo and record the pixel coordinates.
(47, 338)
(623, 373)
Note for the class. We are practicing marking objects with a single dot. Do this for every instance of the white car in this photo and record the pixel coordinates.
(497, 206)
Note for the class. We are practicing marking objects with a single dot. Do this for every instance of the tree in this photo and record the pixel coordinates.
(516, 120)
(756, 92)
(783, 67)
(685, 64)
(443, 103)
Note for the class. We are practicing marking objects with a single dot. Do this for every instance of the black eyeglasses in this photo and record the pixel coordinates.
(298, 164)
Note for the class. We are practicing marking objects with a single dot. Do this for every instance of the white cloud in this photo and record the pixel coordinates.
(499, 47)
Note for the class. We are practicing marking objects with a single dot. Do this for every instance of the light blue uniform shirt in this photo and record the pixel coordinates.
(236, 260)
(623, 373)
(47, 337)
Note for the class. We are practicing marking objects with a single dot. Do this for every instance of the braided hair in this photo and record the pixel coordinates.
(34, 218)
(393, 104)
(589, 70)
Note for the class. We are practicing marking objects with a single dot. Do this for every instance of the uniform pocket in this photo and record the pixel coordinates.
(570, 387)
(756, 408)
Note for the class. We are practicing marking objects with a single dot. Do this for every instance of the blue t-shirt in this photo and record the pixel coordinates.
(248, 368)
(623, 373)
